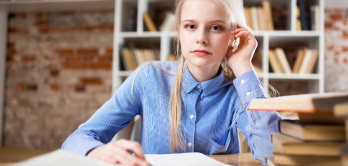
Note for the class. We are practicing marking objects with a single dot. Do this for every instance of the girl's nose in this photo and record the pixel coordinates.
(202, 37)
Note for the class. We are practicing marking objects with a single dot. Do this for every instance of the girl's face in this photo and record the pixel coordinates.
(204, 34)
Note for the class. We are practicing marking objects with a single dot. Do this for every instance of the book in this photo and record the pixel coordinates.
(307, 160)
(125, 58)
(268, 13)
(298, 61)
(328, 117)
(341, 109)
(306, 103)
(128, 59)
(313, 132)
(283, 61)
(308, 63)
(149, 22)
(275, 63)
(305, 24)
(261, 19)
(255, 18)
(249, 17)
(168, 23)
(290, 145)
(171, 57)
(298, 21)
(316, 18)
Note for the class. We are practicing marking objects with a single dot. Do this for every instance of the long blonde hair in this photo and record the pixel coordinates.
(235, 12)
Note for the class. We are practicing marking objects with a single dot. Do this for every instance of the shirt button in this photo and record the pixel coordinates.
(248, 93)
(242, 81)
(198, 86)
(189, 144)
(191, 116)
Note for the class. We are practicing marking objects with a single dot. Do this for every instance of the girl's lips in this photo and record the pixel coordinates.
(201, 52)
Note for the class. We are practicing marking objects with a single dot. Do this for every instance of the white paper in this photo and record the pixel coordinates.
(64, 158)
(182, 159)
(61, 158)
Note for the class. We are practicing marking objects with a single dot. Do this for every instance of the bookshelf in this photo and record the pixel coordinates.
(285, 35)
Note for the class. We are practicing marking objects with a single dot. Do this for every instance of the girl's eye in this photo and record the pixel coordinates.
(216, 28)
(190, 26)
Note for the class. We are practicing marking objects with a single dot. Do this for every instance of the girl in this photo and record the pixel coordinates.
(194, 105)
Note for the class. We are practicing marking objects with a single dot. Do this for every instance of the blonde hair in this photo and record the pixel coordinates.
(235, 12)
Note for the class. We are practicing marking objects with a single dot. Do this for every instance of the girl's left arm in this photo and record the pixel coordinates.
(257, 126)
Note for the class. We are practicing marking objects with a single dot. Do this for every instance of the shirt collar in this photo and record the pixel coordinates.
(189, 83)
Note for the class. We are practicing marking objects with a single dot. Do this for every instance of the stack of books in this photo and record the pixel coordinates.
(315, 136)
(341, 110)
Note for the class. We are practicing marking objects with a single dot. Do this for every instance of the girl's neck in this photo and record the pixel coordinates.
(201, 74)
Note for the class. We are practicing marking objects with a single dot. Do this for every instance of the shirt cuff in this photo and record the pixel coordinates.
(248, 87)
(81, 144)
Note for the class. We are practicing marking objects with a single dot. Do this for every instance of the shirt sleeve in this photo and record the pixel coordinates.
(113, 116)
(256, 126)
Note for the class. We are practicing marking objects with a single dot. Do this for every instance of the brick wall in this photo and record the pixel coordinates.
(336, 50)
(58, 75)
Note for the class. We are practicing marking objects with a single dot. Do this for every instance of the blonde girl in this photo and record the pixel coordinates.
(193, 105)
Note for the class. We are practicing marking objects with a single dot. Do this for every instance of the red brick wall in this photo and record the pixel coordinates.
(336, 50)
(58, 75)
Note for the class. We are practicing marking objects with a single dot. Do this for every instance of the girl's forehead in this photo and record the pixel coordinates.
(202, 9)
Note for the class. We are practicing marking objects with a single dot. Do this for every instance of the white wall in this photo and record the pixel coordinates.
(336, 4)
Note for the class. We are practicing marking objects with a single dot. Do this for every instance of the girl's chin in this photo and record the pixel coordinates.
(201, 64)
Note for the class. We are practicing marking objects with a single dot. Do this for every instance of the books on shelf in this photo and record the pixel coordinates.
(149, 22)
(308, 62)
(259, 18)
(304, 63)
(298, 61)
(282, 59)
(275, 63)
(268, 13)
(308, 16)
(306, 103)
(132, 58)
(168, 23)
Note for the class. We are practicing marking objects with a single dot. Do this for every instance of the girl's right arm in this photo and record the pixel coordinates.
(92, 137)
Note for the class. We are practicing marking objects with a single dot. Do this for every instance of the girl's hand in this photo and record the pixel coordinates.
(240, 60)
(119, 153)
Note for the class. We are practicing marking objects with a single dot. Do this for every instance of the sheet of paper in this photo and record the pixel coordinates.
(64, 158)
(61, 158)
(182, 159)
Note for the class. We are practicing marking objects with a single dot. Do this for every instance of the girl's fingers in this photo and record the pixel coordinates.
(238, 30)
(132, 146)
(241, 32)
(126, 158)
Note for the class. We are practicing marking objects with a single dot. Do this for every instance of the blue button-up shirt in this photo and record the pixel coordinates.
(211, 113)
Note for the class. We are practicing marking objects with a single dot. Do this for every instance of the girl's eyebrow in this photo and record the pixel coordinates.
(214, 21)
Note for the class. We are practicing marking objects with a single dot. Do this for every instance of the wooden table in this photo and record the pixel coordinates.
(11, 155)
(242, 159)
